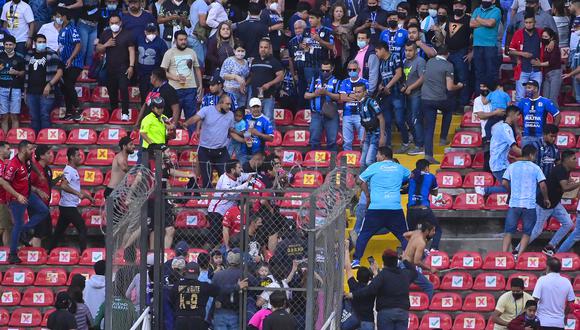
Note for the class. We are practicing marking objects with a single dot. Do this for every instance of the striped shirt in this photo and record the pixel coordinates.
(67, 40)
(317, 52)
(547, 157)
(83, 317)
(368, 108)
(51, 63)
(387, 70)
(297, 55)
(212, 99)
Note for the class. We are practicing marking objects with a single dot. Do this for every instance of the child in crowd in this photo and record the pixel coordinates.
(528, 319)
(262, 272)
(240, 126)
(499, 99)
(217, 261)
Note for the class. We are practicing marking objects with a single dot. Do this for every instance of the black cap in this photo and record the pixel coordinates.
(158, 102)
(151, 27)
(461, 2)
(214, 80)
(191, 270)
(533, 1)
(532, 82)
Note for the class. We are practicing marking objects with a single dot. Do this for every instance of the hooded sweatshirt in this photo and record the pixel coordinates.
(94, 293)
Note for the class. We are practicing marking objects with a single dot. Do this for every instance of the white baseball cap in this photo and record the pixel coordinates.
(254, 101)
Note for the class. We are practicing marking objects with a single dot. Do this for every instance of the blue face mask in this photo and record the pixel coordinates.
(111, 7)
(361, 44)
(353, 74)
(41, 46)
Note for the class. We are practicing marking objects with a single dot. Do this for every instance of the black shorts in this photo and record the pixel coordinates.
(108, 192)
(416, 215)
(169, 217)
(44, 228)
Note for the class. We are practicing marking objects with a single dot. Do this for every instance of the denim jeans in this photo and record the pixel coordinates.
(198, 48)
(351, 126)
(187, 102)
(393, 105)
(318, 123)
(525, 77)
(528, 217)
(498, 189)
(369, 149)
(10, 101)
(572, 238)
(576, 83)
(225, 319)
(38, 211)
(241, 99)
(415, 118)
(461, 73)
(530, 139)
(377, 220)
(392, 319)
(486, 64)
(88, 35)
(39, 107)
(430, 119)
(268, 110)
(560, 214)
(365, 325)
(422, 281)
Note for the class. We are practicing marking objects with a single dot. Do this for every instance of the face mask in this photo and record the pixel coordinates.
(433, 12)
(423, 14)
(240, 55)
(115, 28)
(402, 15)
(484, 92)
(372, 8)
(485, 4)
(9, 51)
(150, 37)
(326, 75)
(353, 74)
(58, 20)
(545, 41)
(529, 94)
(393, 24)
(441, 18)
(458, 12)
(111, 7)
(178, 2)
(41, 46)
(517, 295)
(361, 44)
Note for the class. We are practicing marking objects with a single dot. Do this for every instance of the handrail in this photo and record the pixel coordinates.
(143, 318)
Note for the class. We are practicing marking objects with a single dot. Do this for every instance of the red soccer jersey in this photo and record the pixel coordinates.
(17, 174)
(232, 220)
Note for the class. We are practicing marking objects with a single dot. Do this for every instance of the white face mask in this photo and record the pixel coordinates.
(115, 27)
(433, 12)
(150, 37)
(178, 2)
(240, 55)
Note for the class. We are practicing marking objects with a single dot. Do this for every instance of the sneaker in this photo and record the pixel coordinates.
(13, 259)
(480, 190)
(355, 264)
(549, 250)
(25, 238)
(515, 253)
(125, 117)
(416, 151)
(76, 116)
(432, 160)
(404, 148)
(68, 116)
(443, 142)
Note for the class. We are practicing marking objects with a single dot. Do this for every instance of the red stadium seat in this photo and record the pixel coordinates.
(9, 297)
(92, 255)
(531, 261)
(456, 159)
(100, 157)
(277, 140)
(18, 276)
(317, 158)
(84, 271)
(296, 138)
(466, 321)
(91, 176)
(478, 160)
(418, 301)
(187, 158)
(530, 280)
(134, 94)
(497, 202)
(116, 117)
(198, 203)
(194, 139)
(4, 317)
(466, 260)
(434, 279)
(39, 297)
(54, 197)
(15, 135)
(51, 277)
(456, 281)
(51, 136)
(307, 179)
(352, 158)
(100, 95)
(570, 261)
(111, 136)
(190, 219)
(85, 201)
(2, 135)
(569, 204)
(466, 139)
(449, 180)
(283, 117)
(470, 120)
(446, 301)
(565, 140)
(84, 77)
(291, 158)
(294, 200)
(99, 197)
(569, 119)
(179, 181)
(413, 322)
(32, 255)
(25, 317)
(63, 256)
(83, 136)
(489, 282)
(83, 94)
(571, 322)
(193, 253)
(302, 118)
(60, 158)
(438, 260)
(350, 179)
(436, 321)
(480, 179)
(94, 116)
(181, 138)
(442, 201)
(498, 261)
(468, 201)
(94, 218)
(479, 302)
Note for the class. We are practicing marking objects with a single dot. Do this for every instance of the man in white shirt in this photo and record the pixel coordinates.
(553, 293)
(18, 18)
(51, 31)
(483, 110)
(70, 198)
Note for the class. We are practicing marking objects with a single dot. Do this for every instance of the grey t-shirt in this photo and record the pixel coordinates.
(414, 69)
(434, 86)
(215, 127)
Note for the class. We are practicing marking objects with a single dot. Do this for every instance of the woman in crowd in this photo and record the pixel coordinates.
(235, 71)
(220, 46)
(343, 36)
(551, 66)
(562, 19)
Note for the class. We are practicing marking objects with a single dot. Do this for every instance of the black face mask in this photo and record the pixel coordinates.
(372, 8)
(458, 12)
(517, 295)
(441, 19)
(545, 41)
(485, 92)
(423, 14)
(402, 15)
(485, 4)
(393, 24)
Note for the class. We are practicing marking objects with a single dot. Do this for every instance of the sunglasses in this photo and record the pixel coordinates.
(325, 70)
(352, 70)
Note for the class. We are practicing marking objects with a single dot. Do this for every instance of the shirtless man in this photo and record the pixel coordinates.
(415, 253)
(120, 164)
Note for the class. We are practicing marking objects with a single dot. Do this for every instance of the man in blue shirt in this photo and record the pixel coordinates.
(150, 50)
(394, 36)
(69, 41)
(535, 109)
(216, 89)
(485, 22)
(259, 131)
(302, 9)
(522, 179)
(350, 117)
(324, 90)
(548, 154)
(384, 180)
(371, 118)
(136, 19)
(319, 43)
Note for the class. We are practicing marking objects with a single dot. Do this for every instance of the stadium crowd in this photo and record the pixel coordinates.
(372, 64)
